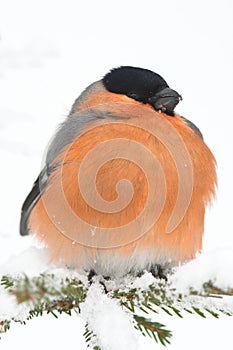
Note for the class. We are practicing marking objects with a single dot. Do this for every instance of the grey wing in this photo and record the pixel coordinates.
(193, 126)
(69, 130)
(66, 133)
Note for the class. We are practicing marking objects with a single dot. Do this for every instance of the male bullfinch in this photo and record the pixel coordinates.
(126, 180)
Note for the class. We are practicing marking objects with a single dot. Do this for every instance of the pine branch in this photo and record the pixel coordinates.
(159, 296)
(90, 338)
(154, 330)
(48, 293)
(4, 326)
(43, 294)
(210, 290)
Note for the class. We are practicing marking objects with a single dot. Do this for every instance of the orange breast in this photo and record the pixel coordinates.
(127, 193)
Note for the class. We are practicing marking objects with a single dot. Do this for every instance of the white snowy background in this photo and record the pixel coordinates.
(49, 52)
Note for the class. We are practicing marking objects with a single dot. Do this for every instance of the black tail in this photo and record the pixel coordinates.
(31, 200)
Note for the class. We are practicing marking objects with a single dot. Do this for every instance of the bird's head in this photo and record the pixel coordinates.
(142, 85)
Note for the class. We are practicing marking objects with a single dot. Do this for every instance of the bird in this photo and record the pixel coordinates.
(126, 180)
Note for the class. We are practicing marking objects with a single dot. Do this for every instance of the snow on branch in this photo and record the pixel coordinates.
(128, 304)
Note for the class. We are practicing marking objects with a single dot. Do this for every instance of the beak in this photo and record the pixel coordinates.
(165, 101)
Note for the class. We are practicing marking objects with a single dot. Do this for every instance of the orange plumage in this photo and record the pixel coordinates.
(90, 223)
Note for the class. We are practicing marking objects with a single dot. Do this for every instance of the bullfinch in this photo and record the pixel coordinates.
(125, 182)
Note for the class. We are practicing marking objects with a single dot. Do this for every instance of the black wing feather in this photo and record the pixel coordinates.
(32, 198)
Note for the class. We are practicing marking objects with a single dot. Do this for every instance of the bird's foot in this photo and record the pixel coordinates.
(158, 272)
(101, 281)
